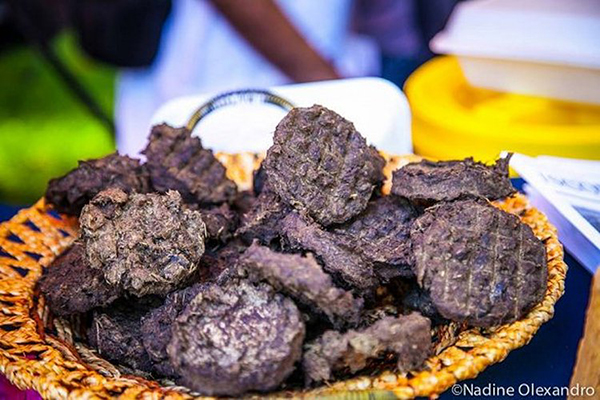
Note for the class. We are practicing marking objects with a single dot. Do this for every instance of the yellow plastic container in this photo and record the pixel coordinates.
(452, 119)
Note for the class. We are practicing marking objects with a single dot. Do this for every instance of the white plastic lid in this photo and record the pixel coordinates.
(564, 32)
(378, 109)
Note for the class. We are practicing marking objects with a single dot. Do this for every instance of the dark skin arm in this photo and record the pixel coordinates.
(264, 26)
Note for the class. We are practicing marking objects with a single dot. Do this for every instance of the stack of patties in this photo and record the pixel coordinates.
(312, 276)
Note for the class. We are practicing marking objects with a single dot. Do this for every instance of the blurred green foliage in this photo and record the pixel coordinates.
(44, 129)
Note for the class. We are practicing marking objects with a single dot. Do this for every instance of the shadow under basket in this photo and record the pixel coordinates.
(42, 353)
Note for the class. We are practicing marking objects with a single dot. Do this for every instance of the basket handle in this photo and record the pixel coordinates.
(237, 97)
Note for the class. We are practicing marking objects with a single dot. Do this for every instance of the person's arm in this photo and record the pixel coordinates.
(268, 30)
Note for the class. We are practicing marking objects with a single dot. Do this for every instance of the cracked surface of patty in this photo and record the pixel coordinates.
(68, 194)
(143, 243)
(235, 338)
(320, 164)
(176, 160)
(427, 182)
(479, 264)
(303, 279)
(408, 337)
(346, 265)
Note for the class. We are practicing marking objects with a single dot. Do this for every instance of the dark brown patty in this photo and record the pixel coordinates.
(156, 328)
(478, 263)
(407, 337)
(68, 194)
(382, 234)
(320, 164)
(143, 243)
(71, 286)
(177, 161)
(116, 332)
(263, 221)
(303, 279)
(235, 338)
(427, 182)
(346, 265)
(221, 222)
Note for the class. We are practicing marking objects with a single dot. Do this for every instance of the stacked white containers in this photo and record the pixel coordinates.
(548, 48)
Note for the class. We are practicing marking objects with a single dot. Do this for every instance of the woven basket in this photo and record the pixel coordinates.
(44, 354)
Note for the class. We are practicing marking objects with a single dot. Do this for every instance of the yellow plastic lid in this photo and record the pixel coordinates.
(452, 119)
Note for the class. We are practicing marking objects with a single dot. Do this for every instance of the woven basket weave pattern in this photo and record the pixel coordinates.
(57, 366)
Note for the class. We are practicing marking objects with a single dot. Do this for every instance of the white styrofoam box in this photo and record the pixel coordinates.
(548, 48)
(377, 107)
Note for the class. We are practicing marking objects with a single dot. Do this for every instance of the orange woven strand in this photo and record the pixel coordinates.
(33, 238)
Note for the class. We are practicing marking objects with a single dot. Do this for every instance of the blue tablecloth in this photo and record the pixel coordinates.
(6, 212)
(548, 360)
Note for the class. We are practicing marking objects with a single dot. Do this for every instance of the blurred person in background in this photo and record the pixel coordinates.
(170, 48)
(218, 45)
(402, 30)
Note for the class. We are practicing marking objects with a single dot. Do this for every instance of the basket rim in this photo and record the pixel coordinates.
(29, 361)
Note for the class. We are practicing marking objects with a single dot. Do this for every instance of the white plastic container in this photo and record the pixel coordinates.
(378, 109)
(548, 48)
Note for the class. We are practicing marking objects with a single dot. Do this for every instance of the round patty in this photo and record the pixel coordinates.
(236, 338)
(479, 264)
(320, 164)
(143, 243)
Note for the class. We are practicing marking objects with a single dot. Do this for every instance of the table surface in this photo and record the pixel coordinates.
(548, 360)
